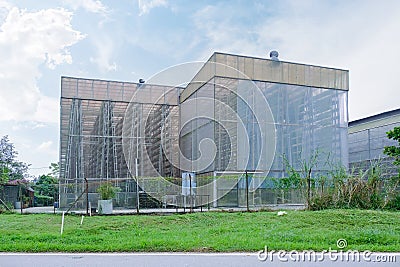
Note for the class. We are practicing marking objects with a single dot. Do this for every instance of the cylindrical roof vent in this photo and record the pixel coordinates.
(274, 55)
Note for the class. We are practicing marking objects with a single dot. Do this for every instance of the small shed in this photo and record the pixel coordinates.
(12, 191)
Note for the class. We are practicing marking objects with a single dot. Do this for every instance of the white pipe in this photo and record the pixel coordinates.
(215, 192)
(62, 222)
(82, 219)
(137, 183)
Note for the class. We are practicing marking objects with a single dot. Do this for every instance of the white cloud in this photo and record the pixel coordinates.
(4, 9)
(234, 32)
(105, 50)
(4, 6)
(45, 146)
(27, 40)
(94, 6)
(146, 5)
(362, 39)
(24, 126)
(360, 36)
(45, 149)
(48, 109)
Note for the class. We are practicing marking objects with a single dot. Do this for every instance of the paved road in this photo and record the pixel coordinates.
(190, 259)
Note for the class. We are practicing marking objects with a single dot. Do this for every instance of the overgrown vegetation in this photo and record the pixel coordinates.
(365, 190)
(203, 232)
(300, 180)
(337, 189)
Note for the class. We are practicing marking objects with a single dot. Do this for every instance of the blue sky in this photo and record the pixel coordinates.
(126, 40)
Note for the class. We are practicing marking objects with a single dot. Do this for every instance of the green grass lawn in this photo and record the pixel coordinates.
(208, 231)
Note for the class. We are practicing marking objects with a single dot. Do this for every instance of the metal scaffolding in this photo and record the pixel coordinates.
(93, 116)
(234, 122)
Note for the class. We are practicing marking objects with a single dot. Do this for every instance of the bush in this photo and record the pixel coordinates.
(320, 202)
(363, 189)
(394, 203)
(44, 200)
(6, 209)
(353, 192)
(107, 191)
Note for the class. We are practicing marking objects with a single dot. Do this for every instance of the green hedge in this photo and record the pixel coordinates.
(43, 200)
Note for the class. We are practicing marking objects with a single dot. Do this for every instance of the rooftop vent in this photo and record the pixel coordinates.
(274, 55)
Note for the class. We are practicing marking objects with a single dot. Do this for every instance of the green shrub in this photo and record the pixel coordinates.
(394, 203)
(44, 200)
(6, 209)
(320, 202)
(353, 192)
(107, 190)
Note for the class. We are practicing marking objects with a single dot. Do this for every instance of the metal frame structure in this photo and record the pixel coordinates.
(93, 115)
(133, 132)
(307, 105)
(367, 140)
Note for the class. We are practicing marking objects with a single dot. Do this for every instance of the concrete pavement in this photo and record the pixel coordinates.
(191, 260)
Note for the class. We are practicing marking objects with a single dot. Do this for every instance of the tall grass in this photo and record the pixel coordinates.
(339, 189)
(362, 190)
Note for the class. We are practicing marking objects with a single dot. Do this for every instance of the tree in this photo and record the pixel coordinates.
(393, 199)
(54, 169)
(10, 167)
(394, 151)
(46, 185)
(4, 175)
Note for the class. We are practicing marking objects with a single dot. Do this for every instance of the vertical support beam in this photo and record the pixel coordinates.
(137, 184)
(21, 199)
(81, 163)
(238, 190)
(369, 143)
(247, 191)
(215, 192)
(129, 160)
(190, 193)
(87, 195)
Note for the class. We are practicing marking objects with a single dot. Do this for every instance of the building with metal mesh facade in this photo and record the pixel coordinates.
(262, 116)
(238, 115)
(367, 140)
(93, 113)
